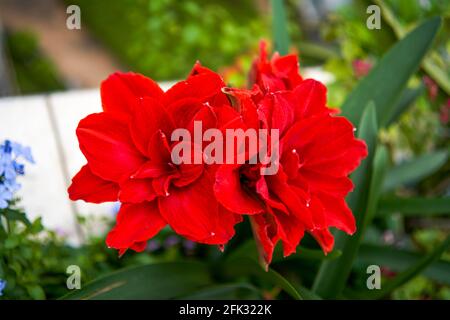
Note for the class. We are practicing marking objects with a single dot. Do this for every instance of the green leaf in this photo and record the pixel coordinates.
(332, 275)
(153, 281)
(413, 271)
(389, 77)
(15, 215)
(279, 25)
(399, 260)
(436, 73)
(307, 294)
(242, 266)
(415, 169)
(232, 291)
(414, 206)
(406, 100)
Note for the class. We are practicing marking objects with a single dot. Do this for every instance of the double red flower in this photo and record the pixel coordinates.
(128, 150)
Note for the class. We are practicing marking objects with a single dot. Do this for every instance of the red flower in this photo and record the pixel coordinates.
(317, 153)
(127, 147)
(129, 158)
(280, 73)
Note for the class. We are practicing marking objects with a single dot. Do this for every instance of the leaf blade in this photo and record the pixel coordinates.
(389, 77)
(155, 281)
(415, 169)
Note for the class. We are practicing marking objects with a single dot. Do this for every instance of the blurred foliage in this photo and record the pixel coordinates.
(402, 191)
(425, 126)
(33, 72)
(164, 38)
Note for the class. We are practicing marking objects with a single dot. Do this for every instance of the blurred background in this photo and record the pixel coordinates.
(49, 79)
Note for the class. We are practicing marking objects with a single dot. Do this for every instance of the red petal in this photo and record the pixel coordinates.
(311, 99)
(337, 213)
(266, 235)
(291, 231)
(318, 182)
(325, 238)
(204, 86)
(136, 191)
(194, 213)
(120, 92)
(278, 111)
(147, 119)
(183, 110)
(106, 143)
(291, 198)
(136, 223)
(91, 188)
(231, 194)
(287, 67)
(188, 174)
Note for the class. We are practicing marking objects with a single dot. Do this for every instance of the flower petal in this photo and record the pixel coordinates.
(194, 213)
(120, 92)
(136, 191)
(106, 143)
(149, 117)
(230, 193)
(91, 188)
(311, 99)
(203, 86)
(136, 223)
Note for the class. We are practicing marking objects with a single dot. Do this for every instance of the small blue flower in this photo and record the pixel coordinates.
(10, 167)
(2, 286)
(21, 151)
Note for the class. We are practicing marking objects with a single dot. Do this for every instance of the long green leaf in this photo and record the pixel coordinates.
(333, 274)
(154, 281)
(406, 100)
(415, 169)
(279, 25)
(437, 74)
(389, 77)
(414, 206)
(231, 291)
(399, 260)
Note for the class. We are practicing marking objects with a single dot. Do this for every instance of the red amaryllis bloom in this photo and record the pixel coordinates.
(318, 151)
(278, 73)
(128, 152)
